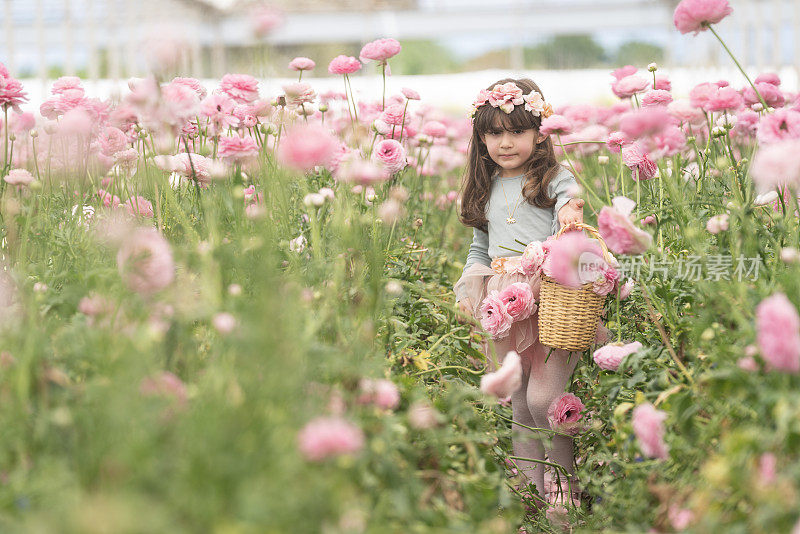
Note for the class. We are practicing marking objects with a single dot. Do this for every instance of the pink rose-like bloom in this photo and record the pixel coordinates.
(192, 166)
(19, 177)
(555, 124)
(702, 93)
(218, 108)
(696, 15)
(616, 228)
(625, 289)
(778, 126)
(639, 161)
(434, 129)
(382, 393)
(344, 65)
(391, 155)
(656, 97)
(393, 115)
(66, 83)
(669, 141)
(717, 223)
(564, 257)
(648, 425)
(505, 96)
(307, 145)
(422, 416)
(777, 164)
(139, 206)
(302, 63)
(326, 437)
(506, 380)
(771, 94)
(380, 50)
(647, 121)
(630, 85)
(108, 200)
(112, 140)
(615, 141)
(242, 88)
(298, 93)
(11, 93)
(145, 261)
(610, 356)
(237, 149)
(606, 281)
(662, 83)
(778, 337)
(565, 414)
(360, 171)
(410, 93)
(518, 298)
(623, 72)
(725, 99)
(495, 319)
(22, 123)
(768, 77)
(193, 84)
(686, 112)
(164, 384)
(532, 258)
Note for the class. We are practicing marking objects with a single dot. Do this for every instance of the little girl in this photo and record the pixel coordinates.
(515, 189)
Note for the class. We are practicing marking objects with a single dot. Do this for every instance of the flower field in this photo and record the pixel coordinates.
(232, 312)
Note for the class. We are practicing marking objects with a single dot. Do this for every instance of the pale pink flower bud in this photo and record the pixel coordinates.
(505, 381)
(610, 356)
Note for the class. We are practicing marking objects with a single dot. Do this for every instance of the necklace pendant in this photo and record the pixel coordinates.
(510, 220)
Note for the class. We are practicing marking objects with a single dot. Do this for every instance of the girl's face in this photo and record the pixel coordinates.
(511, 149)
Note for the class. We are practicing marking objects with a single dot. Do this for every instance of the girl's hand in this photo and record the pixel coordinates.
(571, 212)
(465, 307)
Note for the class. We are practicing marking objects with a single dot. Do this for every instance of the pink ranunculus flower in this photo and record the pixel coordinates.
(519, 301)
(662, 83)
(629, 85)
(656, 97)
(344, 65)
(778, 337)
(265, 19)
(696, 15)
(610, 356)
(532, 258)
(391, 155)
(565, 256)
(625, 289)
(638, 161)
(565, 414)
(725, 99)
(434, 129)
(382, 393)
(768, 77)
(145, 261)
(643, 122)
(393, 115)
(237, 149)
(65, 83)
(505, 96)
(193, 84)
(648, 425)
(410, 93)
(192, 166)
(326, 437)
(108, 200)
(616, 140)
(112, 140)
(307, 145)
(669, 142)
(164, 384)
(686, 112)
(298, 93)
(242, 88)
(701, 93)
(139, 206)
(506, 380)
(771, 94)
(777, 164)
(622, 72)
(495, 318)
(11, 93)
(380, 50)
(218, 109)
(606, 281)
(302, 63)
(555, 124)
(19, 177)
(781, 125)
(618, 231)
(717, 223)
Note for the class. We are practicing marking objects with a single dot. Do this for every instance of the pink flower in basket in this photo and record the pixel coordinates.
(606, 281)
(495, 318)
(565, 414)
(567, 257)
(518, 299)
(533, 258)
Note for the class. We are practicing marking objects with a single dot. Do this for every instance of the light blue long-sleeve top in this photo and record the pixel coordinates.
(533, 223)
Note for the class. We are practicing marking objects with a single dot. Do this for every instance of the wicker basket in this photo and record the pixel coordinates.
(568, 316)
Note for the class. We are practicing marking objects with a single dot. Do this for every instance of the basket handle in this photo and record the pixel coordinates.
(592, 231)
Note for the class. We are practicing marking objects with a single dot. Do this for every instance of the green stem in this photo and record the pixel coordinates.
(746, 77)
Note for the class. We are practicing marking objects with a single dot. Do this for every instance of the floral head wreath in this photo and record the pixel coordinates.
(507, 95)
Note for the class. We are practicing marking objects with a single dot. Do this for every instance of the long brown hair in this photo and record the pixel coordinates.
(540, 169)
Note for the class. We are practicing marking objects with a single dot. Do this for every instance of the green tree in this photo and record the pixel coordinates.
(424, 57)
(638, 53)
(566, 52)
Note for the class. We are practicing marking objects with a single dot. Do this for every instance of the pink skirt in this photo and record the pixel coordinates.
(477, 281)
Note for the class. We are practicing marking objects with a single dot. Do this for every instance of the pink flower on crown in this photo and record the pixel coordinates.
(534, 103)
(505, 96)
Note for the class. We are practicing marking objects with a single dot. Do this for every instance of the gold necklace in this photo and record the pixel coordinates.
(510, 219)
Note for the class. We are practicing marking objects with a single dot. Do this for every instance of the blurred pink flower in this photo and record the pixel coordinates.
(19, 177)
(381, 392)
(139, 206)
(218, 108)
(717, 223)
(639, 162)
(686, 112)
(224, 322)
(532, 258)
(680, 518)
(325, 437)
(434, 129)
(565, 414)
(701, 93)
(768, 77)
(380, 50)
(237, 149)
(108, 200)
(615, 141)
(145, 261)
(630, 85)
(298, 93)
(192, 166)
(65, 83)
(777, 164)
(344, 65)
(662, 83)
(696, 15)
(669, 141)
(780, 125)
(518, 300)
(193, 84)
(564, 257)
(771, 94)
(422, 415)
(778, 337)
(610, 356)
(767, 463)
(21, 123)
(164, 384)
(643, 122)
(265, 19)
(495, 319)
(656, 97)
(725, 99)
(112, 140)
(302, 63)
(410, 93)
(242, 88)
(625, 289)
(648, 425)
(506, 380)
(616, 227)
(355, 169)
(391, 155)
(623, 72)
(747, 363)
(306, 146)
(555, 124)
